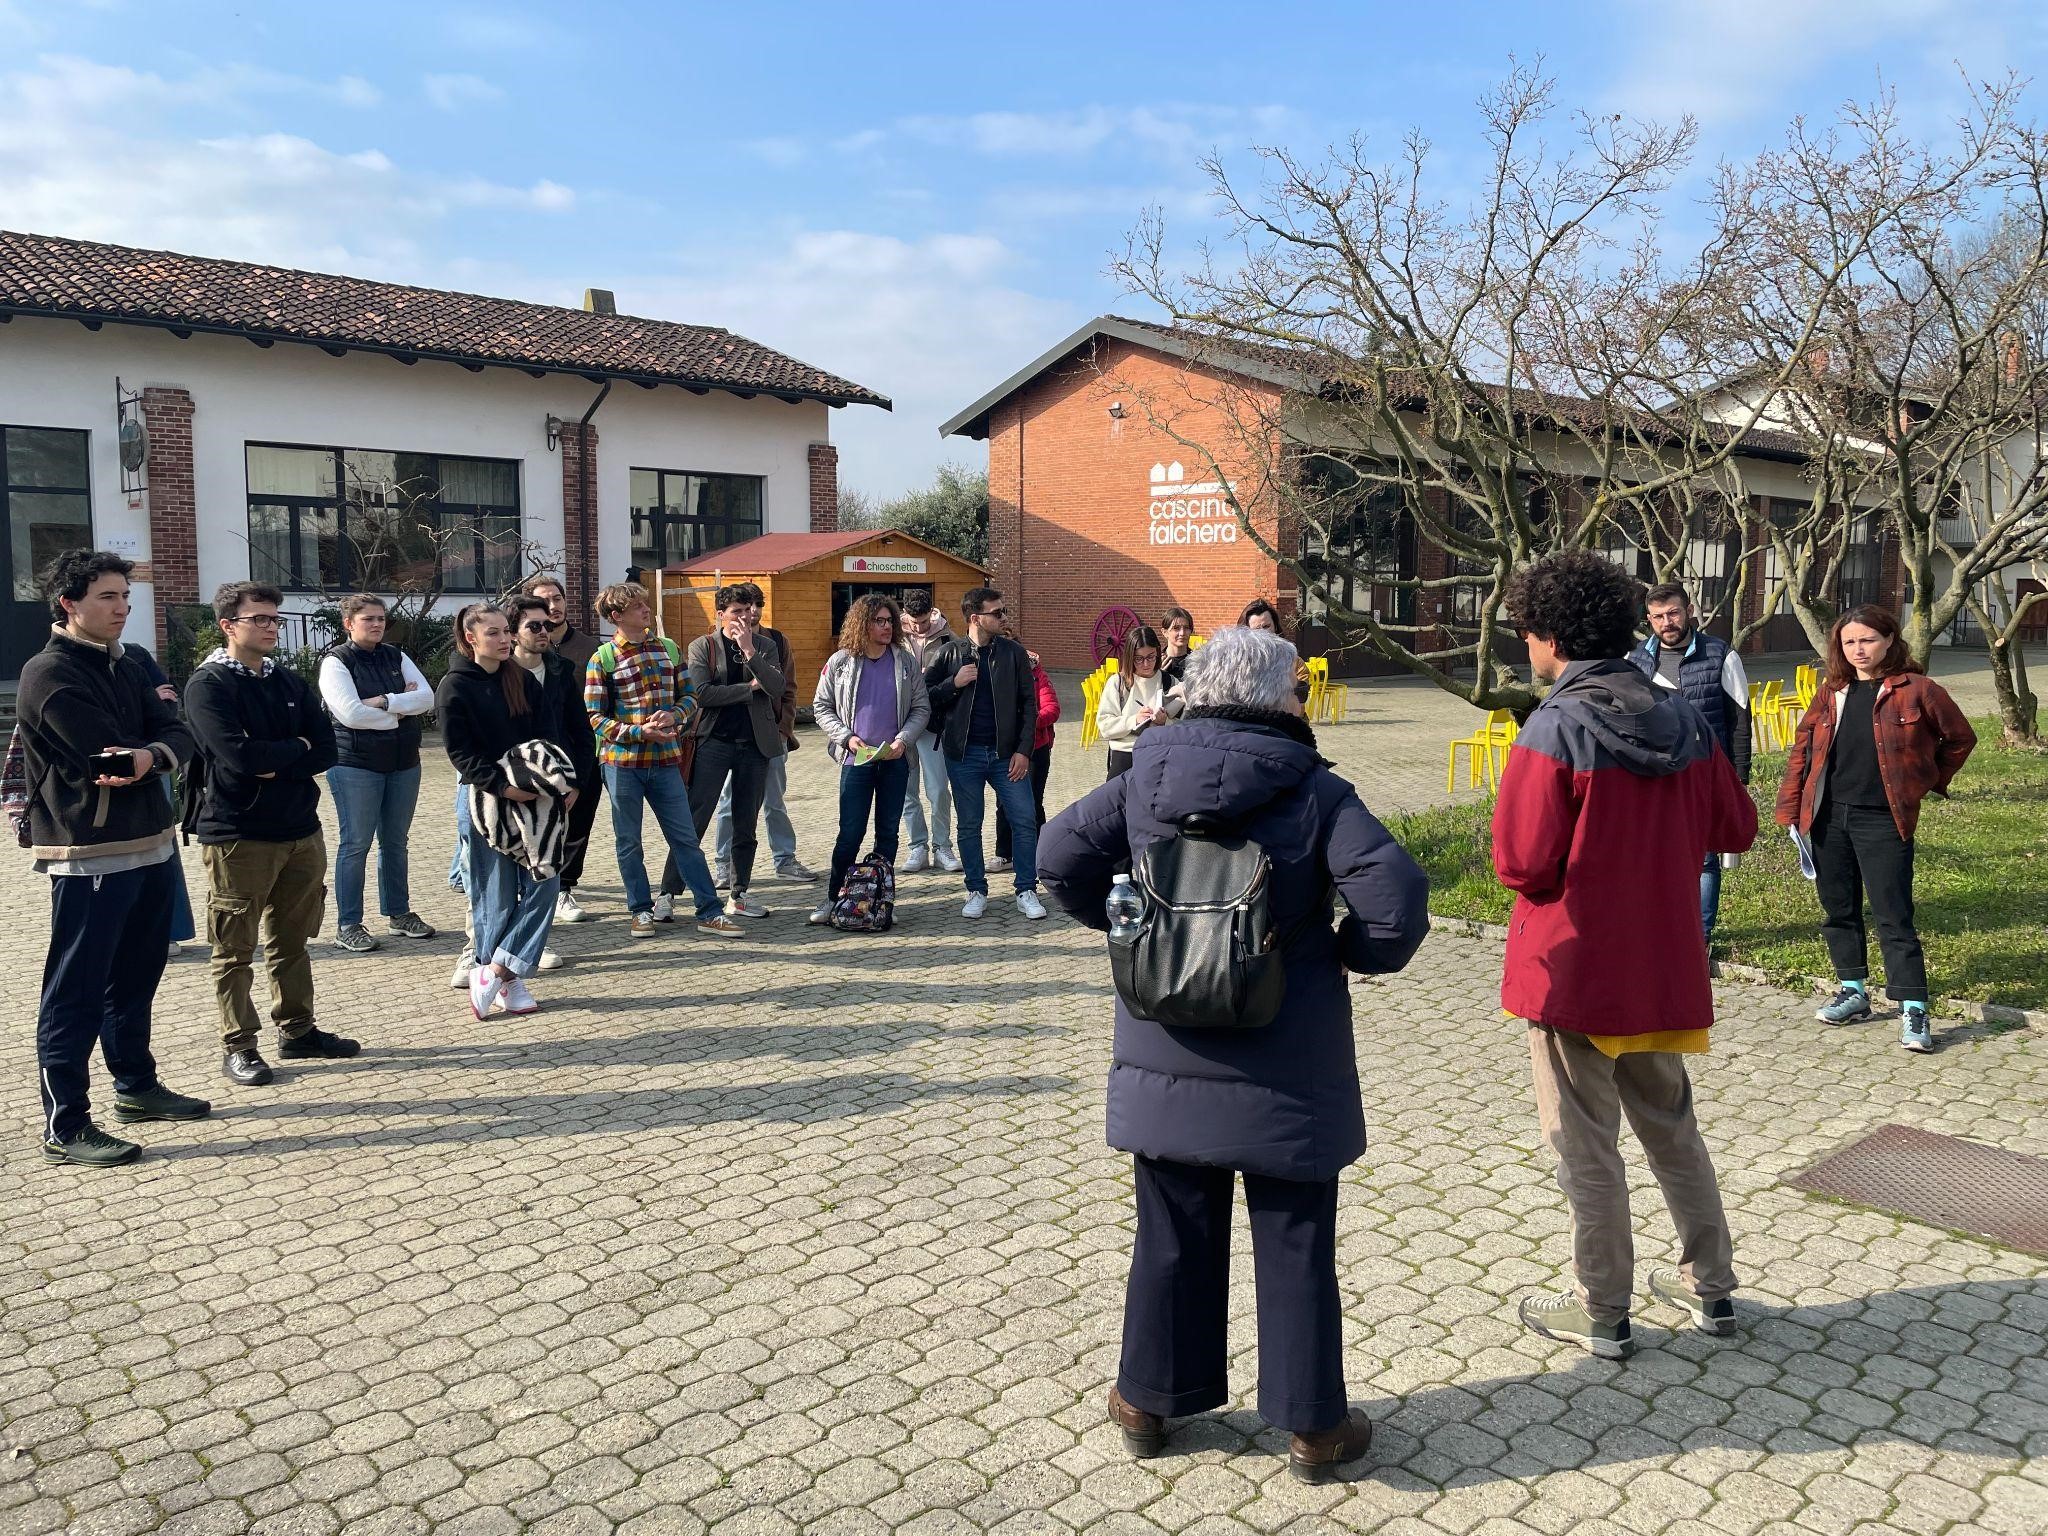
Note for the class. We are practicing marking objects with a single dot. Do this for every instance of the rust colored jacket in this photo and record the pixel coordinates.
(1922, 739)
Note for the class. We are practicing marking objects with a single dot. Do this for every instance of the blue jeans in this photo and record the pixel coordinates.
(510, 912)
(460, 861)
(931, 775)
(781, 832)
(660, 790)
(874, 786)
(984, 766)
(380, 805)
(1710, 894)
(108, 938)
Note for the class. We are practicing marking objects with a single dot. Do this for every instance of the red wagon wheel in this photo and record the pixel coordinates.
(1110, 630)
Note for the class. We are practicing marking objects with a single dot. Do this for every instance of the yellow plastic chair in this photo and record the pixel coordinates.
(1766, 716)
(1196, 642)
(1091, 699)
(1486, 750)
(1328, 702)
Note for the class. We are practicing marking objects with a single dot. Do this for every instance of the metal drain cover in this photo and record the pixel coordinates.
(1942, 1181)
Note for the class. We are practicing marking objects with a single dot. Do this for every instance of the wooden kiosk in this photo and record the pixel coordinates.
(808, 581)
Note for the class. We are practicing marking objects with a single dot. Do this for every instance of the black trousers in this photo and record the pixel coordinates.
(1041, 768)
(582, 817)
(1857, 849)
(717, 760)
(1177, 1308)
(108, 938)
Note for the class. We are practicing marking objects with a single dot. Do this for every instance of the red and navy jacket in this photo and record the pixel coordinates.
(1615, 792)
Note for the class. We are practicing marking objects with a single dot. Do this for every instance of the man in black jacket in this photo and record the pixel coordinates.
(107, 842)
(985, 711)
(265, 741)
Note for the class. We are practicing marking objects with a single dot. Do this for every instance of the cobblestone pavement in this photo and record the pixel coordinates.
(815, 1232)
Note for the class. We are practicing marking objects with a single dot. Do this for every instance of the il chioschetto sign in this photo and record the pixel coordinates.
(1185, 512)
(884, 565)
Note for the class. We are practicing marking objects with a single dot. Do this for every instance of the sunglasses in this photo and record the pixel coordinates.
(539, 627)
(995, 613)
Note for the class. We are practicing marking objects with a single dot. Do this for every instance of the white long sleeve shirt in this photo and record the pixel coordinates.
(338, 693)
(1116, 717)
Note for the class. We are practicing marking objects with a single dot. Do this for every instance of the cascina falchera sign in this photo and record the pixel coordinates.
(1190, 513)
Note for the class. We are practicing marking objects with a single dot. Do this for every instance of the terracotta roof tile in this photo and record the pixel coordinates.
(45, 275)
(775, 551)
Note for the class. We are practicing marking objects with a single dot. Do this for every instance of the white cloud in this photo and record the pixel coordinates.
(453, 93)
(780, 150)
(101, 152)
(1170, 133)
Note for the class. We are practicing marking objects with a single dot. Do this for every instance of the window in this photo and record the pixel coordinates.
(678, 516)
(342, 519)
(1363, 525)
(46, 500)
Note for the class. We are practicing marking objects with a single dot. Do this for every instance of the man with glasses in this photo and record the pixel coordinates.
(575, 648)
(986, 700)
(263, 743)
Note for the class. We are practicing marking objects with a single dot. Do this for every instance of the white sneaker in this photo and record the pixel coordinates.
(740, 904)
(664, 910)
(463, 966)
(549, 961)
(1029, 904)
(821, 915)
(920, 859)
(567, 911)
(516, 999)
(949, 861)
(1000, 865)
(976, 905)
(484, 986)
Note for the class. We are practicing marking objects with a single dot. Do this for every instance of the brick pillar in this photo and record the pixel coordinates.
(580, 575)
(1006, 499)
(824, 488)
(173, 505)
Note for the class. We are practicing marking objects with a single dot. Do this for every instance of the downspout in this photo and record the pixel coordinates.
(589, 533)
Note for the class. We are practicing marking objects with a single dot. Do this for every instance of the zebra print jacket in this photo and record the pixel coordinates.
(532, 833)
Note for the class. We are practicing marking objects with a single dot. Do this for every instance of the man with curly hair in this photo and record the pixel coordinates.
(1614, 794)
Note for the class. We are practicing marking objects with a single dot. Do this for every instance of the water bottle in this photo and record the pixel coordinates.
(1125, 910)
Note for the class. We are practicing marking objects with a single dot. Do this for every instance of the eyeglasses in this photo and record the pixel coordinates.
(883, 618)
(1146, 656)
(260, 620)
(539, 628)
(994, 613)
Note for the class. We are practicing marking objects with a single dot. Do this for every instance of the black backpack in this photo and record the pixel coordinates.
(1207, 955)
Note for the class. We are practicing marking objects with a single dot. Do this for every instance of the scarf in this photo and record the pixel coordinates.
(1273, 719)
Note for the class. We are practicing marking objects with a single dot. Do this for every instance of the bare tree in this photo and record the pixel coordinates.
(1527, 371)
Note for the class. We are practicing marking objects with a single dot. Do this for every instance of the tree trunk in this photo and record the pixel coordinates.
(2019, 712)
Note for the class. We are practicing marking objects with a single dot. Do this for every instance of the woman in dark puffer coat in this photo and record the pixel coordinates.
(1279, 1105)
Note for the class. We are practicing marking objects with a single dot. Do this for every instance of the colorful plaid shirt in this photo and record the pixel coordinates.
(625, 683)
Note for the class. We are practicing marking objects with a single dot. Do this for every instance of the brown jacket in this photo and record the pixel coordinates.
(1922, 739)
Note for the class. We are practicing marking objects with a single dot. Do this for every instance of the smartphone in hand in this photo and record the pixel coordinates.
(114, 763)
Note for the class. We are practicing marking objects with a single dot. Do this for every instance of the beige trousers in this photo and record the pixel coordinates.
(1581, 1095)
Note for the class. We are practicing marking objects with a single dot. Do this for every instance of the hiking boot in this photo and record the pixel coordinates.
(409, 925)
(548, 961)
(1849, 1005)
(566, 910)
(975, 905)
(949, 861)
(1029, 904)
(1916, 1030)
(1315, 1458)
(796, 872)
(1716, 1317)
(515, 999)
(641, 926)
(464, 964)
(719, 926)
(91, 1147)
(920, 859)
(159, 1103)
(740, 904)
(317, 1044)
(821, 915)
(1561, 1315)
(664, 909)
(999, 865)
(355, 938)
(246, 1067)
(1144, 1433)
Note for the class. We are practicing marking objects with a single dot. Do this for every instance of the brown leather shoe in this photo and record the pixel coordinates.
(1315, 1458)
(1144, 1433)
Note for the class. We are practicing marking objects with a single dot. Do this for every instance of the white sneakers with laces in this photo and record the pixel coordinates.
(977, 904)
(1029, 904)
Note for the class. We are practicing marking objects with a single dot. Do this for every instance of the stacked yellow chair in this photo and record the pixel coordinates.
(1091, 699)
(1328, 702)
(1486, 752)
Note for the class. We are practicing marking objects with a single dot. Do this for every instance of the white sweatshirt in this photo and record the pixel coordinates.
(1116, 717)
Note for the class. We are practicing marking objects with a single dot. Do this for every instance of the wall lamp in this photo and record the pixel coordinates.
(1116, 410)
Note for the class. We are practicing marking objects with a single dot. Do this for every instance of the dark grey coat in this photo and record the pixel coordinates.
(1281, 1101)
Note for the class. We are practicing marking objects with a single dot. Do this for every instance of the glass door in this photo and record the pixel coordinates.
(46, 503)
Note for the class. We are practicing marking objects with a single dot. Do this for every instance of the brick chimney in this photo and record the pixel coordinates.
(824, 488)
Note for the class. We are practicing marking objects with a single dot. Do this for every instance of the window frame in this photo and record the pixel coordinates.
(662, 521)
(345, 577)
(9, 488)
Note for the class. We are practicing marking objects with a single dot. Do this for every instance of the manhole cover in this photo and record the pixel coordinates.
(1942, 1181)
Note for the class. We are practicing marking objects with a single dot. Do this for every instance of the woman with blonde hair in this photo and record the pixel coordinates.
(871, 705)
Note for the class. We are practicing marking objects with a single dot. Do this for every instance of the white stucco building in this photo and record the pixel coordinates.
(331, 434)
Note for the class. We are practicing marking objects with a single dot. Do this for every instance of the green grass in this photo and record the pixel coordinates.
(1980, 881)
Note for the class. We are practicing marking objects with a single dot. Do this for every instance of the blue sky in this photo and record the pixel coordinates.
(921, 198)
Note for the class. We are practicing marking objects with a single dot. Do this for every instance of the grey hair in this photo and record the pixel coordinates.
(1248, 668)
